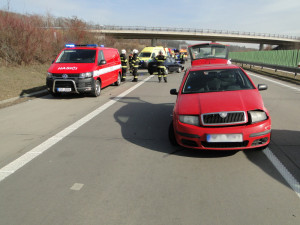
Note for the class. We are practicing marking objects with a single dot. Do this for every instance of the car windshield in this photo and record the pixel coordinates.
(204, 81)
(77, 56)
(145, 54)
(209, 51)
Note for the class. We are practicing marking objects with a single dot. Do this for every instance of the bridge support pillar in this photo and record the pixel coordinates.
(154, 42)
(261, 47)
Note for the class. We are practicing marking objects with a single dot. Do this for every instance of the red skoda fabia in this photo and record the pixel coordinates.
(218, 107)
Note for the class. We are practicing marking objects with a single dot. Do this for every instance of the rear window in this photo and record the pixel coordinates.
(216, 81)
(77, 56)
(209, 51)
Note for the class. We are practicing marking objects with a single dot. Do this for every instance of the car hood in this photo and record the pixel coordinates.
(71, 67)
(200, 103)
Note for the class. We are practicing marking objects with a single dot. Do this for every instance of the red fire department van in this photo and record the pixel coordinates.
(84, 69)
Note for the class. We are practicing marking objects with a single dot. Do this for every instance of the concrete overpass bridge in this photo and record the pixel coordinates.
(155, 33)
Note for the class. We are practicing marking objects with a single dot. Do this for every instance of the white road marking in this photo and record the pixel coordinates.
(32, 154)
(76, 187)
(273, 81)
(283, 171)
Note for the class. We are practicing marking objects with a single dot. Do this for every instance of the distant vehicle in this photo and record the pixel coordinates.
(84, 69)
(170, 64)
(218, 107)
(148, 53)
(208, 53)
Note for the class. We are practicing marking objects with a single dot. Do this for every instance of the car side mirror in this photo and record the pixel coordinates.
(102, 62)
(262, 87)
(52, 61)
(173, 92)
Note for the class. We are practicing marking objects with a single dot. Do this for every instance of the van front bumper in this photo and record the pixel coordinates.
(75, 85)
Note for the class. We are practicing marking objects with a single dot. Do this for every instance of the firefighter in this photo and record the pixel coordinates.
(124, 64)
(135, 65)
(130, 62)
(160, 58)
(182, 61)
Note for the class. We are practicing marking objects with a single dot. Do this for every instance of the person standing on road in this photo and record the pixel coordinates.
(130, 62)
(124, 64)
(160, 58)
(135, 64)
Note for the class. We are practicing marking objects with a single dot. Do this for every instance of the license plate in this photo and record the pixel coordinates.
(64, 89)
(224, 137)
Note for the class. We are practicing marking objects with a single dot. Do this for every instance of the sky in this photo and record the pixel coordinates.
(259, 16)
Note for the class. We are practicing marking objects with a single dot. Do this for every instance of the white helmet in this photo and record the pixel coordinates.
(135, 51)
(123, 51)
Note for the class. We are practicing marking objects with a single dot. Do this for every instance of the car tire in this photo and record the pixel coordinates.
(118, 82)
(179, 70)
(172, 137)
(150, 72)
(97, 88)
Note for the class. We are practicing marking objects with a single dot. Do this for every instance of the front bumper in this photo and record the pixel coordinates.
(74, 85)
(254, 136)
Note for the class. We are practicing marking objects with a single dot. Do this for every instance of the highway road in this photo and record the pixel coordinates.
(108, 160)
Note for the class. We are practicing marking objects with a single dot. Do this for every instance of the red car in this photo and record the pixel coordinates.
(218, 107)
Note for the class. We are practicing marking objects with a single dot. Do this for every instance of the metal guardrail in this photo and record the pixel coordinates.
(294, 70)
(142, 28)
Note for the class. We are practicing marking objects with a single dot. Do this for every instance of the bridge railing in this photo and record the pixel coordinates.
(194, 30)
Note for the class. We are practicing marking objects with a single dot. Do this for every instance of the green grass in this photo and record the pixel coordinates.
(17, 81)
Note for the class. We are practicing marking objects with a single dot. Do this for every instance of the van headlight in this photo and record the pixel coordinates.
(86, 75)
(189, 119)
(49, 75)
(257, 116)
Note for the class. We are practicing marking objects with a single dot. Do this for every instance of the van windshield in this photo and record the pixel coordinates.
(145, 54)
(77, 56)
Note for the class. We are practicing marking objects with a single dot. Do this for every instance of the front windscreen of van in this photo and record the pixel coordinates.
(145, 54)
(77, 56)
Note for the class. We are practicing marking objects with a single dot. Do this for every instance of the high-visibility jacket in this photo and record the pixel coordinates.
(135, 61)
(123, 60)
(161, 61)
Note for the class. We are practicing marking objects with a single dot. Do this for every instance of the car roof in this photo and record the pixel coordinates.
(213, 67)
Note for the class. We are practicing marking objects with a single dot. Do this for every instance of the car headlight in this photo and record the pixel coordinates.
(86, 75)
(189, 119)
(50, 75)
(257, 116)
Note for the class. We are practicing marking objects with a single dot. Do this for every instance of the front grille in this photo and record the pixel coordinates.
(70, 75)
(223, 118)
(224, 144)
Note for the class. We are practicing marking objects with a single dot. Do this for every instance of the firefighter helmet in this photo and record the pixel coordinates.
(123, 51)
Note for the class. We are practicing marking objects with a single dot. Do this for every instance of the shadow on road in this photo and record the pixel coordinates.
(146, 125)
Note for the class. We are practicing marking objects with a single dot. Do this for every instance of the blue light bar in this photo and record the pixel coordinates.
(101, 45)
(92, 45)
(70, 45)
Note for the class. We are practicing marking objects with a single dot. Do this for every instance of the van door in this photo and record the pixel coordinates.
(103, 67)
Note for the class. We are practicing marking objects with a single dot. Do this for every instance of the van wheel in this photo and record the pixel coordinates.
(118, 82)
(97, 88)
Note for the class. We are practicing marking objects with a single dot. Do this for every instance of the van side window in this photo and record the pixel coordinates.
(100, 56)
(153, 55)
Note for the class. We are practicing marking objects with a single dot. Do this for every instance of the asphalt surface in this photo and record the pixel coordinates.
(108, 160)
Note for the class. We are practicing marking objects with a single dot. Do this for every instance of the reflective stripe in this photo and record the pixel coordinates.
(106, 70)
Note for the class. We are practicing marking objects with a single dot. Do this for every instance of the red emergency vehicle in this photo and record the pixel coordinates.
(84, 69)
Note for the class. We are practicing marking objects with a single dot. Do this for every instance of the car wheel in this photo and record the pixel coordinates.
(179, 70)
(172, 137)
(150, 72)
(118, 82)
(97, 88)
